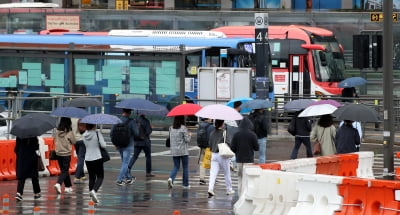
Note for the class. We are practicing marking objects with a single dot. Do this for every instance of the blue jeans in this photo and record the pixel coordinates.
(262, 143)
(297, 144)
(80, 152)
(185, 164)
(147, 153)
(125, 154)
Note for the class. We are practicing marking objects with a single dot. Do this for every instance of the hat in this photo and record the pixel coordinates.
(237, 104)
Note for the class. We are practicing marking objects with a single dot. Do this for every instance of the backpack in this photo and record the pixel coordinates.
(142, 132)
(202, 138)
(121, 134)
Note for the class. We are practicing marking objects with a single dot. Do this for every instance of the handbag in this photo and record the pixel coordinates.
(168, 140)
(40, 165)
(53, 155)
(292, 127)
(104, 153)
(206, 163)
(317, 145)
(224, 150)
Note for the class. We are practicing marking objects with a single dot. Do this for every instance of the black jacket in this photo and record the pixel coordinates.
(261, 124)
(346, 139)
(303, 126)
(244, 142)
(25, 150)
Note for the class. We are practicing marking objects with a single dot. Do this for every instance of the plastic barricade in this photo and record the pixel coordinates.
(7, 160)
(397, 169)
(274, 166)
(348, 164)
(302, 165)
(53, 167)
(74, 161)
(244, 205)
(318, 194)
(328, 165)
(365, 165)
(43, 148)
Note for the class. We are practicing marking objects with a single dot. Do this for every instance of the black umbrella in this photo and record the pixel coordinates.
(357, 112)
(83, 102)
(32, 125)
(72, 112)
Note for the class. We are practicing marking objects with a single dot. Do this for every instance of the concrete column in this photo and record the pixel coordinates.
(226, 4)
(169, 4)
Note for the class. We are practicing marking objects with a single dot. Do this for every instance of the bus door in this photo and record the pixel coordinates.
(299, 79)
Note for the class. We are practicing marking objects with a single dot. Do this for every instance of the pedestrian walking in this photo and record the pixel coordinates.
(64, 138)
(204, 130)
(302, 131)
(93, 140)
(179, 140)
(142, 143)
(244, 143)
(261, 124)
(219, 135)
(232, 126)
(80, 150)
(27, 155)
(129, 129)
(323, 134)
(347, 139)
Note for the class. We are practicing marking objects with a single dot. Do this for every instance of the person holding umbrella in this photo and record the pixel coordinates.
(347, 139)
(180, 138)
(27, 153)
(64, 138)
(323, 134)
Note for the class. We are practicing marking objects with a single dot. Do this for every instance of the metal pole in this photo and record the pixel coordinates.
(388, 126)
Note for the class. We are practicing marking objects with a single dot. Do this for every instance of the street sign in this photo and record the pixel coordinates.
(378, 17)
(262, 54)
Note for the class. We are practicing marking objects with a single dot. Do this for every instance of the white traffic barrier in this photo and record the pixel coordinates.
(365, 164)
(244, 205)
(318, 194)
(43, 148)
(302, 165)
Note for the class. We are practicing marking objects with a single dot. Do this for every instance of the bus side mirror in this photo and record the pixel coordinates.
(322, 57)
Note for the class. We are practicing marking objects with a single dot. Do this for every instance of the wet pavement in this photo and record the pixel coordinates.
(148, 195)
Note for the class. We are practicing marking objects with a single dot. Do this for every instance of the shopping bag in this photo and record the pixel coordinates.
(225, 151)
(40, 165)
(207, 158)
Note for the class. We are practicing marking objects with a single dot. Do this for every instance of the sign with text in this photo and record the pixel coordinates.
(378, 17)
(67, 22)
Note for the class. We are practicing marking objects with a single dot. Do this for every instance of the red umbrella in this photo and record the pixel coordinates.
(184, 110)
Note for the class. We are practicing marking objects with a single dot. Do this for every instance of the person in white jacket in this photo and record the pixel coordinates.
(93, 140)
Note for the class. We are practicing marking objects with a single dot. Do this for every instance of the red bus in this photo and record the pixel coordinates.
(306, 61)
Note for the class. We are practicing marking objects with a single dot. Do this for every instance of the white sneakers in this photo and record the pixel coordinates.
(170, 184)
(68, 190)
(230, 192)
(93, 196)
(57, 187)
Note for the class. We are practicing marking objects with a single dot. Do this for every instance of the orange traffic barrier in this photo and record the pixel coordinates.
(272, 166)
(74, 161)
(36, 210)
(397, 169)
(7, 160)
(6, 203)
(327, 165)
(348, 164)
(91, 207)
(177, 212)
(53, 167)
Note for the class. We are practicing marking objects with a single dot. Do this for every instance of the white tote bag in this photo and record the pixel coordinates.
(224, 149)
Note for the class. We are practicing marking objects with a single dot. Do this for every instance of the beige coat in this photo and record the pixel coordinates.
(326, 136)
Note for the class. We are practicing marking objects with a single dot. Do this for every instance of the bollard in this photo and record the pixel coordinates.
(36, 210)
(91, 207)
(177, 212)
(6, 203)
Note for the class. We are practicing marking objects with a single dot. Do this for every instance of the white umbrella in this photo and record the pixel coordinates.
(318, 110)
(218, 111)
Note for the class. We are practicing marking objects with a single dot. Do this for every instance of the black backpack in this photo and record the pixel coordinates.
(121, 134)
(142, 132)
(202, 139)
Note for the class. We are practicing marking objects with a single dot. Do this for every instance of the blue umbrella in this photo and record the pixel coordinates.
(143, 106)
(352, 82)
(72, 112)
(243, 100)
(258, 104)
(100, 118)
(298, 104)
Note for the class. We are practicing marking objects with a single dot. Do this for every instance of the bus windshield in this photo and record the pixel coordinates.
(329, 64)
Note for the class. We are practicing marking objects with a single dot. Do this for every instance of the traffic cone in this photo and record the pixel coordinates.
(177, 212)
(91, 207)
(6, 203)
(36, 210)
